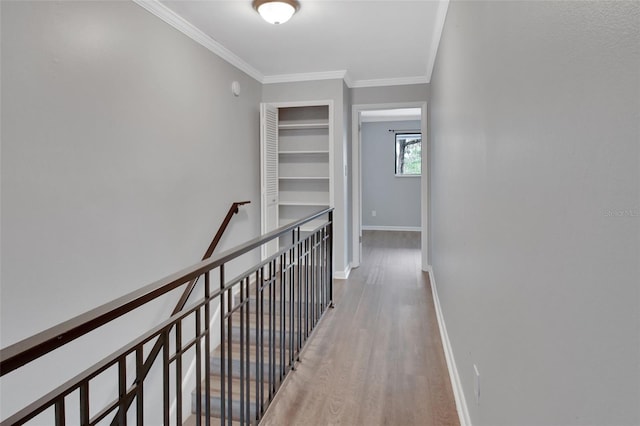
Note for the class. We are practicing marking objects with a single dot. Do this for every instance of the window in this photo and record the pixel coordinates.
(408, 154)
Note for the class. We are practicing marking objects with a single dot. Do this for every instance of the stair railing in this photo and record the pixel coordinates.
(285, 295)
(157, 347)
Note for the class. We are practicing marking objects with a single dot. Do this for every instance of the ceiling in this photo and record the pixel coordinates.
(366, 42)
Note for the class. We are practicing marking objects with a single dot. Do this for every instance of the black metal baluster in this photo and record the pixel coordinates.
(84, 403)
(291, 298)
(314, 279)
(281, 281)
(324, 269)
(271, 321)
(299, 303)
(60, 416)
(207, 349)
(247, 346)
(223, 411)
(198, 369)
(122, 390)
(242, 386)
(230, 356)
(330, 257)
(306, 289)
(165, 376)
(139, 386)
(178, 384)
(259, 336)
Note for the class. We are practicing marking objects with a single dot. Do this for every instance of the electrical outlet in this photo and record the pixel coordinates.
(476, 383)
(373, 213)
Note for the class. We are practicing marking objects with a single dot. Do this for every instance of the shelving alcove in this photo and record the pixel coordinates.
(296, 162)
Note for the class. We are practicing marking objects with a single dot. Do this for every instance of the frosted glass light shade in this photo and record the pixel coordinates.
(276, 12)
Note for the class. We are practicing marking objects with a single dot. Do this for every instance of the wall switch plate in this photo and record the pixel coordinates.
(476, 383)
(373, 213)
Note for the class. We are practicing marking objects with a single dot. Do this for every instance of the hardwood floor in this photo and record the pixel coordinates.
(377, 358)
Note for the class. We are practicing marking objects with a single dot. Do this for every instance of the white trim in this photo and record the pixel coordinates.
(188, 29)
(342, 275)
(391, 119)
(310, 76)
(399, 81)
(391, 228)
(441, 15)
(356, 184)
(342, 75)
(347, 80)
(458, 392)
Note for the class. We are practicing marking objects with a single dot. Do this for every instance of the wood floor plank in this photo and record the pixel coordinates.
(377, 358)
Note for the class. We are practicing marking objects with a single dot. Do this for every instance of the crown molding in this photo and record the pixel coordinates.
(310, 76)
(188, 29)
(401, 81)
(342, 75)
(347, 79)
(441, 16)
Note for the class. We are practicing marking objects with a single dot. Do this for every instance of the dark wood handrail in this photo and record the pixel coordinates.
(31, 348)
(7, 367)
(157, 347)
(235, 208)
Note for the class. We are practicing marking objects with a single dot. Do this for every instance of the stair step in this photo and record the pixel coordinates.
(216, 408)
(235, 335)
(215, 386)
(235, 367)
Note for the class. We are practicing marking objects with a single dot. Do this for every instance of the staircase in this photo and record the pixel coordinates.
(263, 333)
(264, 316)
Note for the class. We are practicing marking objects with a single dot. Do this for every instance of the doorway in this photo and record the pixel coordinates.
(390, 112)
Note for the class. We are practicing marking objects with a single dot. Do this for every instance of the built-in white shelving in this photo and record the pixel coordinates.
(302, 142)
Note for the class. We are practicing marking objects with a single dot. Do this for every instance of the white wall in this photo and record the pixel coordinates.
(396, 200)
(390, 94)
(535, 112)
(122, 149)
(325, 90)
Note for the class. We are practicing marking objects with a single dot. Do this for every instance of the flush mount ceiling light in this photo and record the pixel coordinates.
(276, 11)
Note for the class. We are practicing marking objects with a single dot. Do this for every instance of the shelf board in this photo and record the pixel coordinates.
(303, 203)
(303, 177)
(302, 126)
(303, 152)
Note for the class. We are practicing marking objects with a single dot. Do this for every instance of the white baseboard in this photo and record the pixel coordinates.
(391, 228)
(458, 393)
(342, 275)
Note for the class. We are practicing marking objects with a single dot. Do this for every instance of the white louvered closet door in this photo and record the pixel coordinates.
(269, 172)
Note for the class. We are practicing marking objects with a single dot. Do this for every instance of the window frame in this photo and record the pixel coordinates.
(405, 133)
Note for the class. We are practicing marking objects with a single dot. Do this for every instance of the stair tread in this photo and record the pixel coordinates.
(215, 387)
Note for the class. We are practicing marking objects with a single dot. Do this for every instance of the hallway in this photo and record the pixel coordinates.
(377, 357)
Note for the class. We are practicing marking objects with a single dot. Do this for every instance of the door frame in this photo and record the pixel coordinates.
(356, 190)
